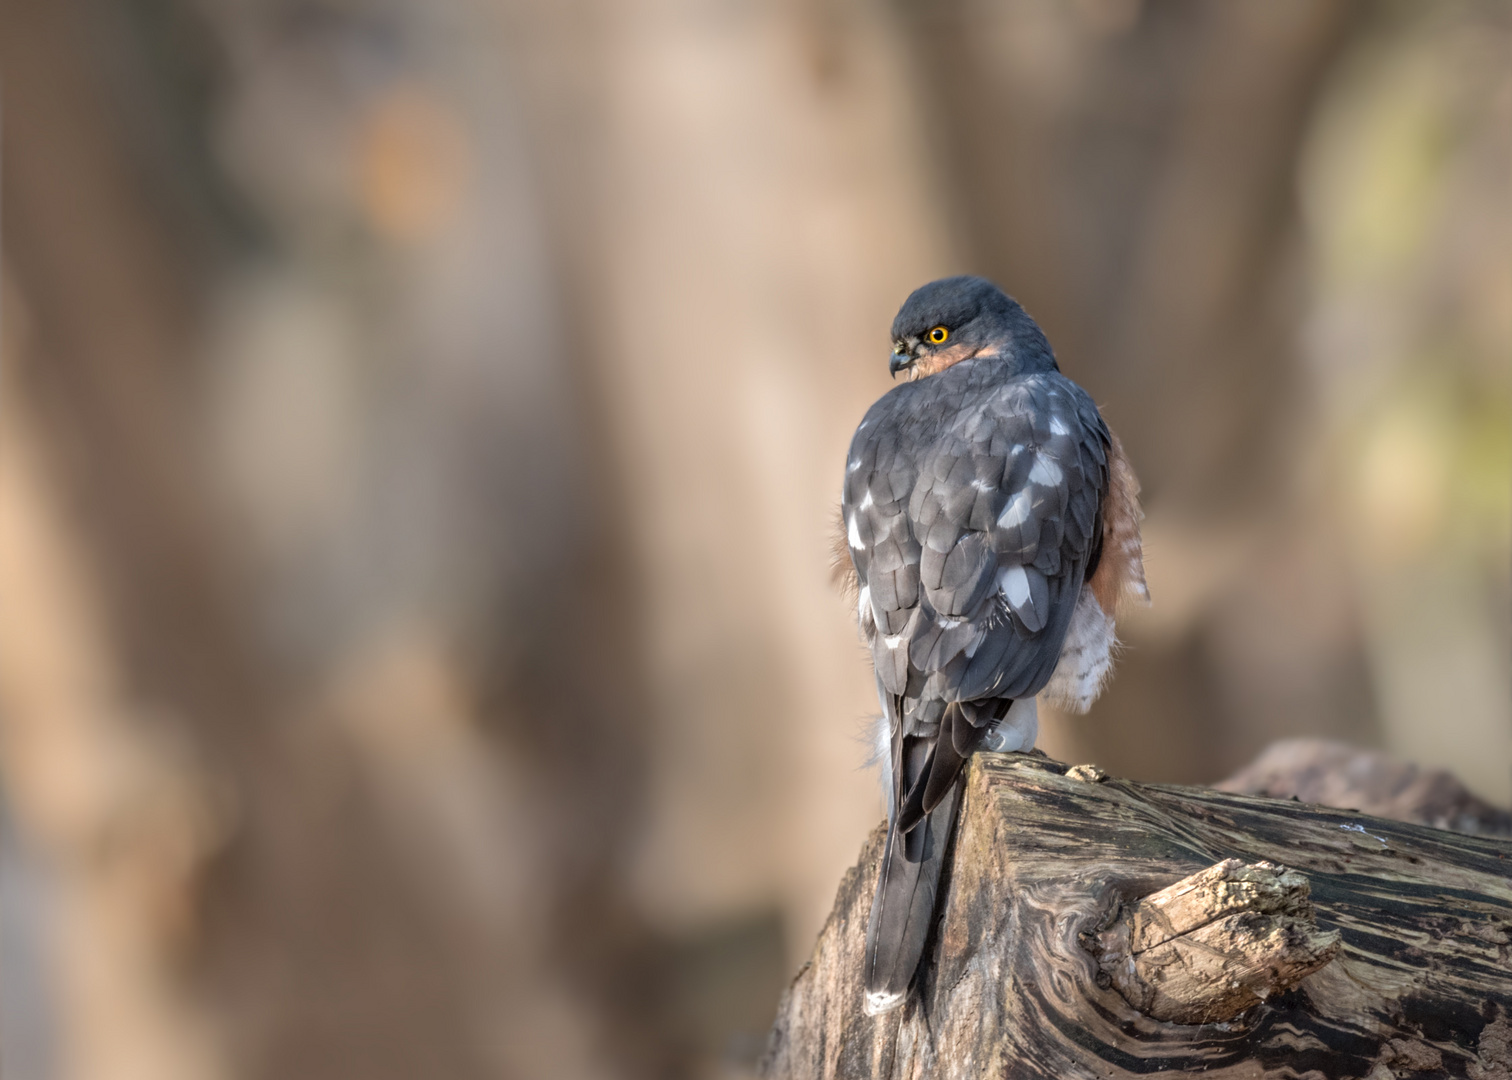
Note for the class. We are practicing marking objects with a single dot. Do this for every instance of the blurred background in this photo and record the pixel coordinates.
(422, 428)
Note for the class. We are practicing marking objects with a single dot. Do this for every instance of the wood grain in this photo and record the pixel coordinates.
(1044, 861)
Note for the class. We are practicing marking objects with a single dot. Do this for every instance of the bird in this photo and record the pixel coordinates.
(992, 526)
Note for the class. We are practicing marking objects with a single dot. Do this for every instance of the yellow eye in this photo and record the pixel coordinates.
(938, 335)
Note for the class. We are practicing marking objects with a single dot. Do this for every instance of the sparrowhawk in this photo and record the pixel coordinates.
(993, 525)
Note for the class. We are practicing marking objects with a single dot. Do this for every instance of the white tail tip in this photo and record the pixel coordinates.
(880, 1001)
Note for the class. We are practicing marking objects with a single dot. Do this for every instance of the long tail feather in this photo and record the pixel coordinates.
(903, 909)
(948, 762)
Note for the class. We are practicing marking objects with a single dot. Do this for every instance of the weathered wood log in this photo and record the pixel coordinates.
(1366, 948)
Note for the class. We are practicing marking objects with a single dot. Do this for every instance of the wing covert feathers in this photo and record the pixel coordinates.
(971, 512)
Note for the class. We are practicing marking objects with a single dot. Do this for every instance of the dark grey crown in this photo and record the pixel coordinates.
(976, 312)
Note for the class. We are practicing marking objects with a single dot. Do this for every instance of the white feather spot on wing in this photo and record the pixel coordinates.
(1016, 512)
(853, 464)
(866, 501)
(863, 603)
(1013, 583)
(853, 534)
(1058, 426)
(1046, 472)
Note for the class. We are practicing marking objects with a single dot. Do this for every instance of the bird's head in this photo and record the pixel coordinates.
(957, 318)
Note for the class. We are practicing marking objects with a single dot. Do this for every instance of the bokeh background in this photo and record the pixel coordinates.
(421, 437)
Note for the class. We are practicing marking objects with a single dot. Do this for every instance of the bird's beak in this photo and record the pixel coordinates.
(900, 361)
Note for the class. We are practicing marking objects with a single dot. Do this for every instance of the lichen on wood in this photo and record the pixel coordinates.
(1414, 923)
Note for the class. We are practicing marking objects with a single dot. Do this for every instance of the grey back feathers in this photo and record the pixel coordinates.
(971, 508)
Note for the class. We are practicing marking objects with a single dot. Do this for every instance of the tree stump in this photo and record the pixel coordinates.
(1094, 927)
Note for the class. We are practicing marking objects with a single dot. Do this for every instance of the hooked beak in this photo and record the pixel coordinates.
(903, 359)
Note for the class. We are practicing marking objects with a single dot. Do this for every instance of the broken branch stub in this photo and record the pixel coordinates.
(1216, 943)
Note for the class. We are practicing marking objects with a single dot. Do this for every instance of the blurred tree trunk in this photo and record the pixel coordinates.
(106, 292)
(726, 197)
(328, 923)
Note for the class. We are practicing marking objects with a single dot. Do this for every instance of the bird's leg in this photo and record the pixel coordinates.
(1017, 730)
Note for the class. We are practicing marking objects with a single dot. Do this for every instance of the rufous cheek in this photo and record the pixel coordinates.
(935, 362)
